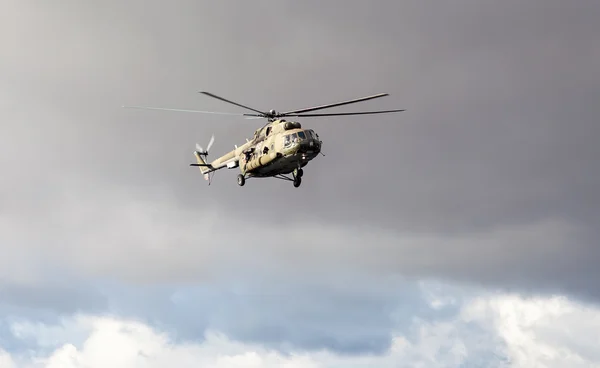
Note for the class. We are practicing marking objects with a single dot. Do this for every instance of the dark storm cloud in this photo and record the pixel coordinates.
(500, 101)
(490, 174)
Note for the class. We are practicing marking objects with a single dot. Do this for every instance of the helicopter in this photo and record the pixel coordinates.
(277, 149)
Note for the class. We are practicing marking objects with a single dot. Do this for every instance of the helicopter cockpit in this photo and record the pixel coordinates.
(300, 136)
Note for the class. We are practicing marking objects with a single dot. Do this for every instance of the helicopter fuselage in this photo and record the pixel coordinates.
(276, 150)
(280, 153)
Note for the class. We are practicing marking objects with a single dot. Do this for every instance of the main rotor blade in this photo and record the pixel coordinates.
(345, 113)
(335, 104)
(231, 102)
(181, 110)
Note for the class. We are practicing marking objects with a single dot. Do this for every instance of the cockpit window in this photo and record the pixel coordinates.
(301, 135)
(288, 139)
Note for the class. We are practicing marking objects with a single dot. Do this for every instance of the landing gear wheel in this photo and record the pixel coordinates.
(241, 180)
(297, 181)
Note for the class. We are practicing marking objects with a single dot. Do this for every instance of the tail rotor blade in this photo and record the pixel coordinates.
(199, 148)
(212, 140)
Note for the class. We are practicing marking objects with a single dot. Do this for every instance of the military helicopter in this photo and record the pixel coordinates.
(276, 150)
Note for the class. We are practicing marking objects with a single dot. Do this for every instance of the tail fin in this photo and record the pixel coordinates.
(204, 167)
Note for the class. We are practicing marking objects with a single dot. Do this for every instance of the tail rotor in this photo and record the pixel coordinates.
(201, 150)
(201, 155)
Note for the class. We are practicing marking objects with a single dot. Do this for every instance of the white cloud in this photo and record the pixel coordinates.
(495, 330)
(6, 360)
(542, 331)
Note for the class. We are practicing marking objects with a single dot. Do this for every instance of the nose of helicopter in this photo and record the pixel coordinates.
(310, 145)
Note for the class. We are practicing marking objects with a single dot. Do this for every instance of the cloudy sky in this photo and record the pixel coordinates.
(461, 231)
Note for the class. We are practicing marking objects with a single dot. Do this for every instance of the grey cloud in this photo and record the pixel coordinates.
(351, 315)
(58, 299)
(44, 302)
(492, 166)
(319, 290)
(153, 239)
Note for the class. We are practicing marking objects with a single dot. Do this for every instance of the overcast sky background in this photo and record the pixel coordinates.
(464, 229)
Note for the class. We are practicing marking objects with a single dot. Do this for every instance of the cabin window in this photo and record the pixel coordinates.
(289, 139)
